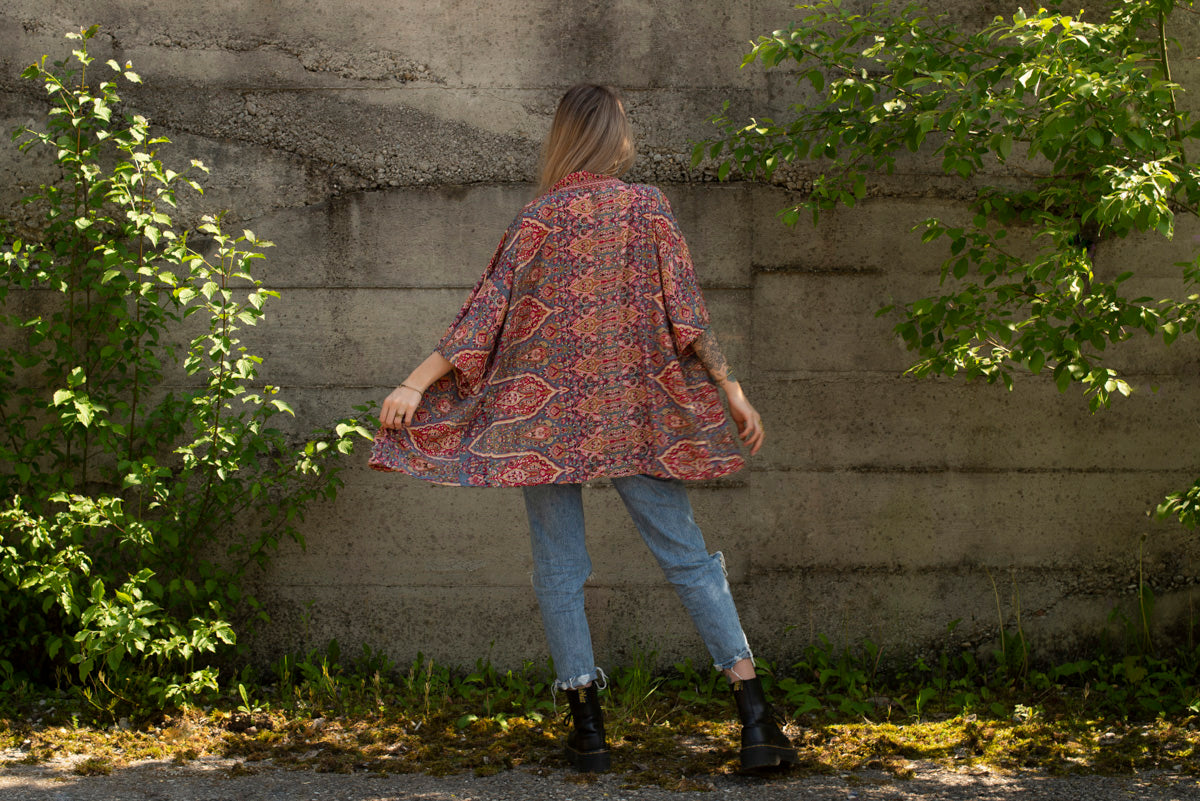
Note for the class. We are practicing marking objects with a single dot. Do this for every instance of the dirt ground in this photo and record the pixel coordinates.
(210, 779)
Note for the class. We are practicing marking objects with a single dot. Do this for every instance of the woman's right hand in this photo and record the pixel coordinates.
(749, 421)
(398, 407)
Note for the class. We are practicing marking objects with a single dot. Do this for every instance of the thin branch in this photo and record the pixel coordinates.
(1166, 67)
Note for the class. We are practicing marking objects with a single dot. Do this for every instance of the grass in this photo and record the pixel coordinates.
(673, 729)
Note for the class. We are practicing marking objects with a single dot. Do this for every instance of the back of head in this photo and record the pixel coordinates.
(590, 132)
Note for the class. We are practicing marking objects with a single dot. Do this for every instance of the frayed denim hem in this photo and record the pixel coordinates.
(597, 676)
(728, 664)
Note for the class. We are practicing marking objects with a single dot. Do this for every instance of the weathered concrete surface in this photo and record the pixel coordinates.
(384, 147)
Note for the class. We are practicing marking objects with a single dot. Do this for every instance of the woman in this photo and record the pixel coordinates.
(585, 351)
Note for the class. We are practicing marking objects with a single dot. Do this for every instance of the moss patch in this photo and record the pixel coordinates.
(668, 743)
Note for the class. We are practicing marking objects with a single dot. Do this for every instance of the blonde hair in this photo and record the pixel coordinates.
(590, 132)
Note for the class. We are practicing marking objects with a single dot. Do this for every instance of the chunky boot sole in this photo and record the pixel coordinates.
(589, 761)
(761, 757)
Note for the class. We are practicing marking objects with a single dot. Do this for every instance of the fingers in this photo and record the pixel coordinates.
(387, 415)
(755, 436)
(749, 423)
(750, 429)
(394, 416)
(398, 408)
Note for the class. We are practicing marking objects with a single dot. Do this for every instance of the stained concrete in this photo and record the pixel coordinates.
(384, 147)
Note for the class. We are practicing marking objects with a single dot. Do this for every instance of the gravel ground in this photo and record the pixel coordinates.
(228, 780)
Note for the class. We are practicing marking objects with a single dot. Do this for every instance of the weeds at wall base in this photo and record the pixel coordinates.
(675, 728)
(684, 749)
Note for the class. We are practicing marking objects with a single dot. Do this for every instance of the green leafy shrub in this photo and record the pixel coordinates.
(133, 510)
(1084, 116)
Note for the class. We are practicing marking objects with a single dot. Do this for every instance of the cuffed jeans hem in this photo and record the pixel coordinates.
(745, 654)
(581, 681)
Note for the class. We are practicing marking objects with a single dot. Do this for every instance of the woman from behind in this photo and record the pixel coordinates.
(585, 351)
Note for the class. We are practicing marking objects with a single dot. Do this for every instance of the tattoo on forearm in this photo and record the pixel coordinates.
(710, 354)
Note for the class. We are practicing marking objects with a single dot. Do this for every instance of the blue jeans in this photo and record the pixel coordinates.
(561, 565)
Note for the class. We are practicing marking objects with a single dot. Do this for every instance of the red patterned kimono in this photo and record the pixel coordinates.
(572, 355)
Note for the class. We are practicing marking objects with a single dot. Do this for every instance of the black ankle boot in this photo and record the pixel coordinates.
(586, 748)
(763, 744)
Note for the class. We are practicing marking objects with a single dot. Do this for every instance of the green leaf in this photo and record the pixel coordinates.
(1137, 138)
(1037, 360)
(1005, 146)
(1170, 332)
(1062, 377)
(84, 412)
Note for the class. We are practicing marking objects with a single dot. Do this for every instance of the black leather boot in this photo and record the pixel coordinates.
(586, 748)
(763, 744)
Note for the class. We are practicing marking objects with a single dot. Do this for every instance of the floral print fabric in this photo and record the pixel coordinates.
(572, 355)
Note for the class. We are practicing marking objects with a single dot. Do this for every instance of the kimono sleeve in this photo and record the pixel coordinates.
(682, 299)
(471, 341)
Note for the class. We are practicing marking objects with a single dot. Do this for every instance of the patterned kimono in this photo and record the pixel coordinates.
(572, 356)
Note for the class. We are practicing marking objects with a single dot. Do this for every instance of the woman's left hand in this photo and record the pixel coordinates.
(749, 421)
(398, 407)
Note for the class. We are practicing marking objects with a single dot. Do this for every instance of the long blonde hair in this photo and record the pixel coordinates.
(590, 132)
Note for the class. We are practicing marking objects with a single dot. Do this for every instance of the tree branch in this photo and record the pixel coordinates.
(1166, 68)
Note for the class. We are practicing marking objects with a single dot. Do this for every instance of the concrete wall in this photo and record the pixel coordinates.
(384, 147)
